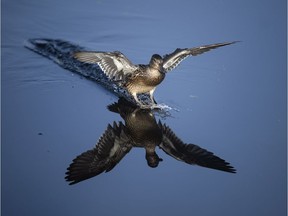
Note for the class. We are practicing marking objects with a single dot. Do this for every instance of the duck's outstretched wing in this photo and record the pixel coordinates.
(114, 64)
(170, 61)
(111, 148)
(190, 153)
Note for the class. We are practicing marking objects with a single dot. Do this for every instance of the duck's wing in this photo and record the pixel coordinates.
(170, 61)
(110, 149)
(114, 64)
(190, 153)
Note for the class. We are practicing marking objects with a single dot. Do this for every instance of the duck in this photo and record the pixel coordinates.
(141, 78)
(140, 129)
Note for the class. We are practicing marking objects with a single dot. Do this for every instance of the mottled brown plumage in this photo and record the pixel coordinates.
(139, 79)
(140, 130)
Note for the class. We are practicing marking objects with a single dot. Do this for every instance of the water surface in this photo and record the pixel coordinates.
(230, 101)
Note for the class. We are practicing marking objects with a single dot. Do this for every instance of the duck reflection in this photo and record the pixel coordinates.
(140, 130)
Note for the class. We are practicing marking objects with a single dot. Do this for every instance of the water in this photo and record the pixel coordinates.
(230, 101)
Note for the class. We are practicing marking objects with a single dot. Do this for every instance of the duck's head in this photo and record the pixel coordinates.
(153, 159)
(156, 60)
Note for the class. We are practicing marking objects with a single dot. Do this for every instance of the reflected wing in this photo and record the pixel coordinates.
(172, 60)
(114, 64)
(190, 153)
(111, 148)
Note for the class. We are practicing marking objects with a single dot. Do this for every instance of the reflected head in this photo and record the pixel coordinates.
(153, 160)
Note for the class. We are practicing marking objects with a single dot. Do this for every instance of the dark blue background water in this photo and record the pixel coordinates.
(231, 101)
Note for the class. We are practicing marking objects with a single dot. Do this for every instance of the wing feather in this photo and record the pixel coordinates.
(110, 149)
(114, 64)
(170, 61)
(190, 153)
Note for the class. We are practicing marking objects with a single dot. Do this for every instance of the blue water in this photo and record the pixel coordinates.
(231, 101)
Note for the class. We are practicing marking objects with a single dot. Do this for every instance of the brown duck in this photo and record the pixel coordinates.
(140, 129)
(140, 78)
